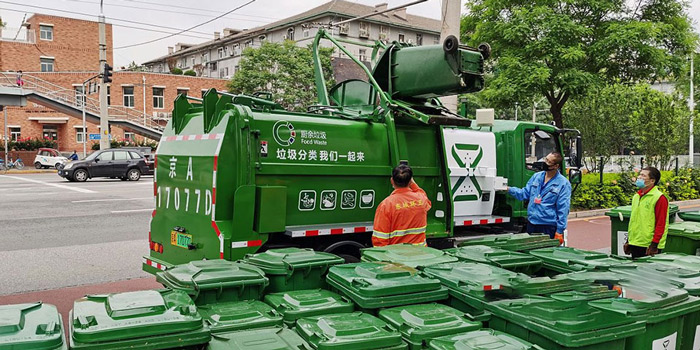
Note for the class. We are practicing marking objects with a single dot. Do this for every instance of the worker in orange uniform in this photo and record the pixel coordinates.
(403, 216)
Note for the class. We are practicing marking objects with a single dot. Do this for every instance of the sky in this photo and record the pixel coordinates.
(163, 17)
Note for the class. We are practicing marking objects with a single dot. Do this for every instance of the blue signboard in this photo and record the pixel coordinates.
(94, 136)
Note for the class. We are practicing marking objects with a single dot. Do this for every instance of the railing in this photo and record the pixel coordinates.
(73, 98)
(18, 35)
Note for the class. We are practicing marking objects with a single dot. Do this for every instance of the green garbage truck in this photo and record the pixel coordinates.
(237, 174)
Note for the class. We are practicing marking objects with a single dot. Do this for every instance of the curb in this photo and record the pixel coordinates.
(30, 171)
(601, 212)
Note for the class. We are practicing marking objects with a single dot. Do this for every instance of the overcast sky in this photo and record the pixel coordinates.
(169, 16)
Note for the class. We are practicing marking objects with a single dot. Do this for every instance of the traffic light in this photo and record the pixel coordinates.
(107, 74)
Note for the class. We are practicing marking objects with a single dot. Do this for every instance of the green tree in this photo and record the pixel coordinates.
(560, 48)
(285, 70)
(133, 67)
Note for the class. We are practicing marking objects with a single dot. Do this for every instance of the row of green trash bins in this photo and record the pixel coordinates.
(683, 237)
(514, 291)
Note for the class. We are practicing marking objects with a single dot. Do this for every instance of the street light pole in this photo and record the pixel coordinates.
(6, 131)
(691, 146)
(104, 114)
(83, 102)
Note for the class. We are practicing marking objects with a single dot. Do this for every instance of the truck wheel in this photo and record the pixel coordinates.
(133, 174)
(80, 175)
(349, 259)
(37, 165)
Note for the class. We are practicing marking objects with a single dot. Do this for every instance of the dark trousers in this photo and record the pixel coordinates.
(639, 252)
(547, 229)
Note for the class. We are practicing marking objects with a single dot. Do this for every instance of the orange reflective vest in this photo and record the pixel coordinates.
(402, 217)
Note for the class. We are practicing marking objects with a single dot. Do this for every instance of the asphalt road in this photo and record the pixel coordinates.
(55, 233)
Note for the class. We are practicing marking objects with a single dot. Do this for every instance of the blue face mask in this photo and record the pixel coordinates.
(639, 183)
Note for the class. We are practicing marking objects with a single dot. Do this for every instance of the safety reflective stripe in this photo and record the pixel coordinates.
(381, 235)
(399, 233)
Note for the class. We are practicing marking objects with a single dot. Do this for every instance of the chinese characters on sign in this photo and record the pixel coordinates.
(319, 155)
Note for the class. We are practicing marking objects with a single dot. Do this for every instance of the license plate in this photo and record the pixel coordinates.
(179, 239)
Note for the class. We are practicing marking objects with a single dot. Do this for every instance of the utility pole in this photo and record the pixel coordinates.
(83, 102)
(451, 11)
(2, 108)
(691, 147)
(143, 78)
(104, 115)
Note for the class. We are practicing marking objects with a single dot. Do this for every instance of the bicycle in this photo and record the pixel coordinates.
(17, 164)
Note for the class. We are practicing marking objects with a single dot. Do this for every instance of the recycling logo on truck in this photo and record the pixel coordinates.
(462, 164)
(284, 133)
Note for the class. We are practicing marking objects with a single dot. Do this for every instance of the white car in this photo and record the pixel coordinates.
(49, 158)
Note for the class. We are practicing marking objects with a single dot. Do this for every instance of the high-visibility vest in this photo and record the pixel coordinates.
(402, 217)
(643, 219)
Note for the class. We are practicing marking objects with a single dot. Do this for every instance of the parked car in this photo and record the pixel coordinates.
(147, 154)
(116, 163)
(49, 158)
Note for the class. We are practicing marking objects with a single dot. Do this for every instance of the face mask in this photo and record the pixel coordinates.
(639, 183)
(541, 166)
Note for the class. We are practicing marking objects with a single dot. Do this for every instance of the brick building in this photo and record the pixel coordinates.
(56, 55)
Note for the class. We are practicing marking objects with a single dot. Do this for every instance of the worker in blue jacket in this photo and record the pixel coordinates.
(549, 198)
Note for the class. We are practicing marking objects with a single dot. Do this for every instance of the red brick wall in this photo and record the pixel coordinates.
(66, 130)
(75, 46)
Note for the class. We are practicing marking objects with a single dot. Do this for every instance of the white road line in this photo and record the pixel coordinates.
(76, 189)
(111, 200)
(130, 211)
(31, 193)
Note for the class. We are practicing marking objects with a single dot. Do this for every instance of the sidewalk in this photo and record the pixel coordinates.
(30, 171)
(694, 203)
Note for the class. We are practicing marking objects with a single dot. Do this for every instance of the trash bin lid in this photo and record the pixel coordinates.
(294, 305)
(148, 313)
(258, 339)
(646, 302)
(407, 254)
(571, 324)
(469, 277)
(587, 293)
(688, 229)
(351, 331)
(239, 315)
(31, 326)
(679, 260)
(662, 273)
(577, 259)
(420, 322)
(494, 256)
(690, 215)
(519, 242)
(485, 339)
(378, 279)
(211, 274)
(284, 261)
(546, 285)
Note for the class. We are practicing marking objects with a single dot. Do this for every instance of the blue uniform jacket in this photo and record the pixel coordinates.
(556, 200)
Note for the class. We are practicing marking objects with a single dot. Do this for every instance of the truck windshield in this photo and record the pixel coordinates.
(538, 144)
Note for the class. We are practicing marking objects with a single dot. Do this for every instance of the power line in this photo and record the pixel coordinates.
(199, 9)
(126, 26)
(92, 15)
(195, 26)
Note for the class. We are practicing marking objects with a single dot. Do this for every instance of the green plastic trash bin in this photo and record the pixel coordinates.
(354, 331)
(485, 339)
(143, 320)
(559, 325)
(420, 323)
(662, 275)
(588, 293)
(689, 215)
(239, 315)
(374, 285)
(294, 305)
(566, 259)
(215, 281)
(517, 242)
(663, 309)
(294, 268)
(509, 260)
(258, 339)
(31, 326)
(407, 254)
(683, 237)
(619, 224)
(679, 260)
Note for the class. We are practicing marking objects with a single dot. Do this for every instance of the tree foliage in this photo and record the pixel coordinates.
(560, 48)
(285, 70)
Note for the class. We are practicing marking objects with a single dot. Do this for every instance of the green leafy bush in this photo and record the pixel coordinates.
(190, 73)
(176, 71)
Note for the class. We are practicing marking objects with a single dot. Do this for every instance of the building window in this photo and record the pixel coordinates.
(305, 32)
(205, 58)
(47, 64)
(364, 30)
(79, 96)
(236, 69)
(50, 132)
(290, 34)
(419, 39)
(402, 38)
(363, 55)
(192, 59)
(221, 52)
(158, 98)
(79, 135)
(182, 92)
(236, 49)
(344, 28)
(383, 33)
(129, 136)
(15, 134)
(436, 40)
(46, 32)
(248, 43)
(128, 92)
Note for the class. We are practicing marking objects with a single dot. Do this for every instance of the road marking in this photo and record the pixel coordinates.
(131, 211)
(76, 189)
(111, 200)
(31, 194)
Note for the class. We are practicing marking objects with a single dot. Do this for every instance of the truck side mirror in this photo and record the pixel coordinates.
(575, 176)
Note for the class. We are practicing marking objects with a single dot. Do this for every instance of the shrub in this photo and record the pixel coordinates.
(190, 73)
(176, 71)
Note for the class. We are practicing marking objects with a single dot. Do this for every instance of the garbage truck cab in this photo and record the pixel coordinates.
(238, 174)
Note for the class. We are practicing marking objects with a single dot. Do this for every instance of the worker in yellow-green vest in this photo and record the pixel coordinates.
(649, 221)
